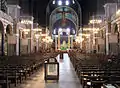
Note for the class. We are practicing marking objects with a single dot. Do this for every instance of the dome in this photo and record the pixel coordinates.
(63, 13)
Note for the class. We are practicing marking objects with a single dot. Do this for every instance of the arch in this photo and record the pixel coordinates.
(9, 29)
(74, 9)
(72, 5)
(58, 25)
(77, 18)
(23, 35)
(8, 33)
(67, 19)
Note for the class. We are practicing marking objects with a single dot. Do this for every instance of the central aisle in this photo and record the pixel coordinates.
(68, 77)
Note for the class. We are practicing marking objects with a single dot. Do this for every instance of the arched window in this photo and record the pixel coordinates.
(9, 29)
(115, 28)
(23, 35)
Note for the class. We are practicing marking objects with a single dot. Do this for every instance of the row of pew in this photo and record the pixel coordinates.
(96, 70)
(16, 69)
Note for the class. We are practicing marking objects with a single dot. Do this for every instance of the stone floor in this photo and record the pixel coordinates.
(68, 78)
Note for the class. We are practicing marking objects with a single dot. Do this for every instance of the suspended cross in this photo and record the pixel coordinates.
(63, 15)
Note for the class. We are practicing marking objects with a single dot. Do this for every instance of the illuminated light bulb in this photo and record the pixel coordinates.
(54, 32)
(68, 30)
(54, 2)
(60, 29)
(67, 2)
(73, 2)
(59, 2)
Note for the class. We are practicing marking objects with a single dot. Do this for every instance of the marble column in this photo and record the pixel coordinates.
(71, 41)
(107, 39)
(55, 42)
(59, 40)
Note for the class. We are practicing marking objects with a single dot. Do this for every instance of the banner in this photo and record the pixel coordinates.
(113, 39)
(24, 42)
(12, 39)
(100, 41)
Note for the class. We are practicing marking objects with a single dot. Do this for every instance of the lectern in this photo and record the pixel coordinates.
(51, 69)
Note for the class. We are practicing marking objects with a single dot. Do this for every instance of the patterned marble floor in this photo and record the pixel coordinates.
(68, 78)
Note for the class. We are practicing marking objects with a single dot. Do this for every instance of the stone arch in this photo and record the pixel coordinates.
(71, 9)
(74, 6)
(8, 33)
(58, 25)
(9, 29)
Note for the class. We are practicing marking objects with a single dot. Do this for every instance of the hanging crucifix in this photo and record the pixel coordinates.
(63, 12)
